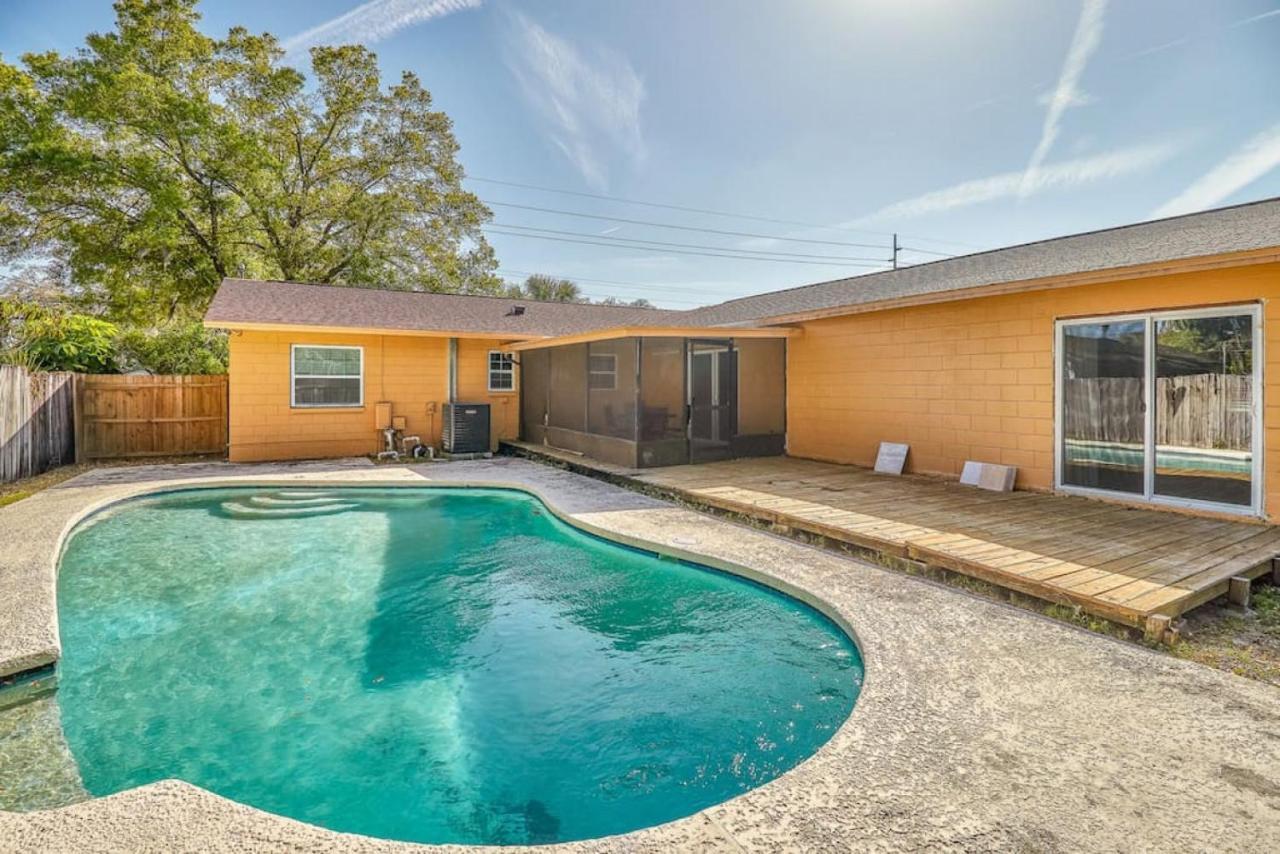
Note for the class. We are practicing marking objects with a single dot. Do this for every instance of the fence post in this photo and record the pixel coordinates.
(77, 415)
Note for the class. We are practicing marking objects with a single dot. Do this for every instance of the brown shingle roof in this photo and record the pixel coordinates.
(294, 304)
(1235, 229)
(1240, 228)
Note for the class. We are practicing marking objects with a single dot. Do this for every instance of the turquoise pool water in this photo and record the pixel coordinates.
(432, 665)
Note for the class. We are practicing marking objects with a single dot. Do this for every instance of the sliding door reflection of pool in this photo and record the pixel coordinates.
(1161, 406)
(430, 665)
(1204, 408)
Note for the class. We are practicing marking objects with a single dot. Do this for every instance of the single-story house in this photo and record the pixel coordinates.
(1128, 363)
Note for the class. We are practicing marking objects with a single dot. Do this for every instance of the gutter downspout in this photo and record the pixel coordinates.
(453, 370)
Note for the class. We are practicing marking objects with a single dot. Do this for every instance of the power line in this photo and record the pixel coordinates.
(670, 207)
(925, 252)
(709, 211)
(493, 230)
(679, 227)
(629, 240)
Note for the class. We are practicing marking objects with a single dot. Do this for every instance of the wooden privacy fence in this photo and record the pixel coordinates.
(1205, 411)
(37, 422)
(1192, 411)
(151, 416)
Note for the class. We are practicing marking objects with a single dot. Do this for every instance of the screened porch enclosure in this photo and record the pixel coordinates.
(644, 401)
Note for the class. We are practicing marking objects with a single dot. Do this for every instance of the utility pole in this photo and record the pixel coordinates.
(896, 247)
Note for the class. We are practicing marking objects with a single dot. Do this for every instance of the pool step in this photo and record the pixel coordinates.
(250, 511)
(303, 494)
(290, 501)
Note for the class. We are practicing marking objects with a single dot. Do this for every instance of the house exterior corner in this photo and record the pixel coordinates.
(410, 372)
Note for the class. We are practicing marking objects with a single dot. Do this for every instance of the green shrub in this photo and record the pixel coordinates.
(69, 342)
(178, 348)
(45, 338)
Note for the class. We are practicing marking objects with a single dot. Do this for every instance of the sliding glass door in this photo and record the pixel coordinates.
(1161, 406)
(1204, 408)
(1104, 408)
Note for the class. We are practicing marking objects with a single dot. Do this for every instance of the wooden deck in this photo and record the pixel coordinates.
(1128, 565)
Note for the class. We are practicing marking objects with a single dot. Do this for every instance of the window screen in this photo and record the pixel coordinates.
(602, 371)
(611, 388)
(327, 376)
(502, 371)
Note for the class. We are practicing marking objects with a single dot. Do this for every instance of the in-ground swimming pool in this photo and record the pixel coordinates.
(436, 665)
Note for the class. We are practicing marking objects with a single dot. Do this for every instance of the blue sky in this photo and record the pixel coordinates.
(831, 123)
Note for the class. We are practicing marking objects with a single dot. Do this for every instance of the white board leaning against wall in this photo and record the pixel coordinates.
(892, 458)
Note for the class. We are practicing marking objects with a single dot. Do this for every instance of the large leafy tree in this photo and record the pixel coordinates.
(158, 160)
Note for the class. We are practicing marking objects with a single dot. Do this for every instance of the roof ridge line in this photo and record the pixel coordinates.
(372, 287)
(1012, 246)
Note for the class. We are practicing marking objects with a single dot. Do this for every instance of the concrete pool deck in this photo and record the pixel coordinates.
(979, 726)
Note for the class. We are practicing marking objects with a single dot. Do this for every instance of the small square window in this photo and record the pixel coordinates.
(502, 371)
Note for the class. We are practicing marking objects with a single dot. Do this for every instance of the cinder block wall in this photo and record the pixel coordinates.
(473, 387)
(974, 379)
(410, 372)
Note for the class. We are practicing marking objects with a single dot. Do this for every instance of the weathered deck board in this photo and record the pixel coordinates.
(1119, 562)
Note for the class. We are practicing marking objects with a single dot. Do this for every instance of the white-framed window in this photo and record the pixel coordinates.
(1162, 407)
(502, 371)
(602, 371)
(325, 376)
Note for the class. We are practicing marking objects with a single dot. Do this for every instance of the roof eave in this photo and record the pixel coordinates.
(247, 326)
(660, 332)
(1093, 277)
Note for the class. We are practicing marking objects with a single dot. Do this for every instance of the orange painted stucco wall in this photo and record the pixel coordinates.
(473, 385)
(974, 379)
(409, 372)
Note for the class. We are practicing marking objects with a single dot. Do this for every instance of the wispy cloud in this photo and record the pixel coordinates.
(1067, 93)
(590, 103)
(1063, 175)
(1258, 156)
(1160, 48)
(1254, 18)
(373, 21)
